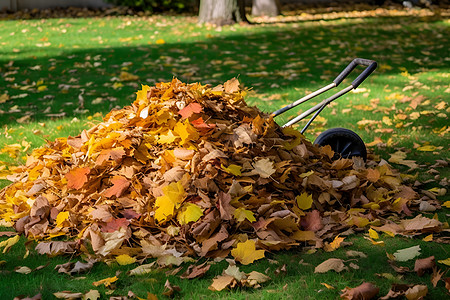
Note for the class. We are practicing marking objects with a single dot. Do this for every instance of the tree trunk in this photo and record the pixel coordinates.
(221, 12)
(268, 8)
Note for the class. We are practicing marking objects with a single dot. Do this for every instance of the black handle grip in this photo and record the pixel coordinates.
(370, 64)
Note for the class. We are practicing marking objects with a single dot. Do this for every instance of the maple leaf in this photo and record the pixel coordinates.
(241, 214)
(190, 109)
(246, 252)
(231, 86)
(120, 184)
(166, 204)
(190, 213)
(201, 126)
(186, 132)
(304, 201)
(233, 169)
(77, 177)
(263, 167)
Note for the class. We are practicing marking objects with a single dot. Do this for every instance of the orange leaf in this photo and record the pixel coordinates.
(200, 125)
(192, 108)
(77, 177)
(120, 184)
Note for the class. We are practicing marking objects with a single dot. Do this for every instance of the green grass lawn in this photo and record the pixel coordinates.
(49, 67)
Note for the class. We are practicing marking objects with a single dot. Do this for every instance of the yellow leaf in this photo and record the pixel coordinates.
(125, 76)
(446, 204)
(428, 238)
(445, 261)
(167, 138)
(246, 252)
(301, 235)
(376, 243)
(233, 169)
(117, 85)
(191, 213)
(387, 121)
(61, 217)
(125, 259)
(186, 131)
(107, 281)
(42, 88)
(373, 234)
(263, 167)
(241, 214)
(172, 198)
(160, 41)
(327, 286)
(427, 148)
(334, 244)
(9, 243)
(304, 201)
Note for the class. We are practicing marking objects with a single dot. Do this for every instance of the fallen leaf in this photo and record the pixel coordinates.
(436, 277)
(445, 261)
(423, 265)
(195, 271)
(23, 270)
(407, 253)
(190, 109)
(304, 201)
(7, 244)
(416, 292)
(364, 291)
(334, 264)
(77, 177)
(67, 295)
(92, 295)
(170, 290)
(120, 184)
(125, 259)
(107, 281)
(221, 282)
(246, 252)
(263, 167)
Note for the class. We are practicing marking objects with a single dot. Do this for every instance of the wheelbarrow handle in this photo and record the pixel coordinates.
(370, 64)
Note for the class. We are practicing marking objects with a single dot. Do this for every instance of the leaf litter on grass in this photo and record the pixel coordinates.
(192, 171)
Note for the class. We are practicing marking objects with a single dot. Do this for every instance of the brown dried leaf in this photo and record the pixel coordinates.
(120, 184)
(423, 265)
(416, 292)
(195, 271)
(362, 292)
(221, 282)
(77, 177)
(334, 264)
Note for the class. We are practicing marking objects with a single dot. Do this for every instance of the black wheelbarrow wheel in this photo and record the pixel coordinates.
(344, 142)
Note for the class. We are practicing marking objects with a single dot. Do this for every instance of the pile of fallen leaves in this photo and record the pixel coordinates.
(188, 170)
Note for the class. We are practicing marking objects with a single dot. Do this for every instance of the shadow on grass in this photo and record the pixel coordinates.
(294, 58)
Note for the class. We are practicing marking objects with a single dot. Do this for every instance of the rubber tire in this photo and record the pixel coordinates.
(344, 142)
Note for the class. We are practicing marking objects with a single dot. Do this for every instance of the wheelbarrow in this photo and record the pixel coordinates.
(344, 142)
